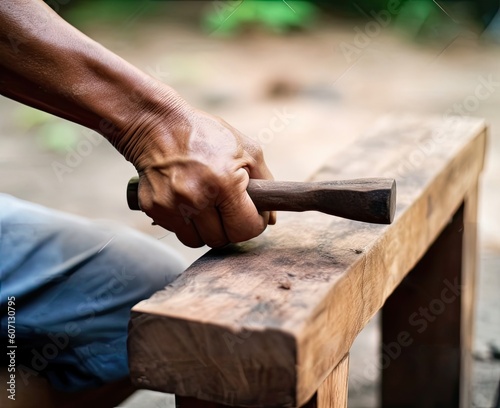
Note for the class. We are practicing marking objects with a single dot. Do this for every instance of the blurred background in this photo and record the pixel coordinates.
(334, 69)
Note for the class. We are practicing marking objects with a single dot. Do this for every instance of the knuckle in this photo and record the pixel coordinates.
(147, 203)
(255, 150)
(259, 153)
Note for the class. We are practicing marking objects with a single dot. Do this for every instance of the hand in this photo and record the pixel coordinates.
(194, 170)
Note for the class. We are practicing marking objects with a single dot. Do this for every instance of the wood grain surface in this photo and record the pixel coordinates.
(263, 323)
(332, 393)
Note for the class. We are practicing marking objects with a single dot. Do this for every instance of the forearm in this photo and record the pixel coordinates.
(194, 168)
(50, 65)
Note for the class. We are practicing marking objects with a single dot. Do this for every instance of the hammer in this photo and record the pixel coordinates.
(367, 200)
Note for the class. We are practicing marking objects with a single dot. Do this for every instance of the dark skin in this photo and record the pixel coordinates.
(194, 168)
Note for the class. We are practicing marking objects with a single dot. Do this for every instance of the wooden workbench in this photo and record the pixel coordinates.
(270, 322)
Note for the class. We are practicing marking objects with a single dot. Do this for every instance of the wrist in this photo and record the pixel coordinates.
(145, 125)
(124, 103)
(135, 109)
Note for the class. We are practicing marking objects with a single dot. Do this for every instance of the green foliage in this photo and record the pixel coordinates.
(424, 20)
(58, 136)
(117, 11)
(228, 17)
(419, 19)
(52, 133)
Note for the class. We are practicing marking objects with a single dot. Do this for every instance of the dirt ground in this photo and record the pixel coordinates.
(333, 99)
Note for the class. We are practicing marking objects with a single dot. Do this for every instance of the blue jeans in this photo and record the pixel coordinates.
(74, 282)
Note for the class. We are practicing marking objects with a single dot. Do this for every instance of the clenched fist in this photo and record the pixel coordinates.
(194, 169)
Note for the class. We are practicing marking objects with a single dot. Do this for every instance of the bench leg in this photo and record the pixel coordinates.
(331, 394)
(427, 323)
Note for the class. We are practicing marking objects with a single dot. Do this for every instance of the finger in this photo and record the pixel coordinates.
(240, 218)
(261, 171)
(209, 227)
(265, 216)
(189, 236)
(272, 218)
(182, 226)
(184, 229)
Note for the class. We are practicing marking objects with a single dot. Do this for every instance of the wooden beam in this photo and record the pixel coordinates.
(264, 322)
(468, 294)
(331, 394)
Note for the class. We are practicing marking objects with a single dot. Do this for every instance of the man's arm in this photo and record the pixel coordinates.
(194, 168)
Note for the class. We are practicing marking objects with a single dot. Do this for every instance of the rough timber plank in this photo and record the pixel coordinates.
(332, 393)
(468, 295)
(264, 322)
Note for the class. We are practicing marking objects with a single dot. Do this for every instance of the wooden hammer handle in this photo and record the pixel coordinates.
(368, 200)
